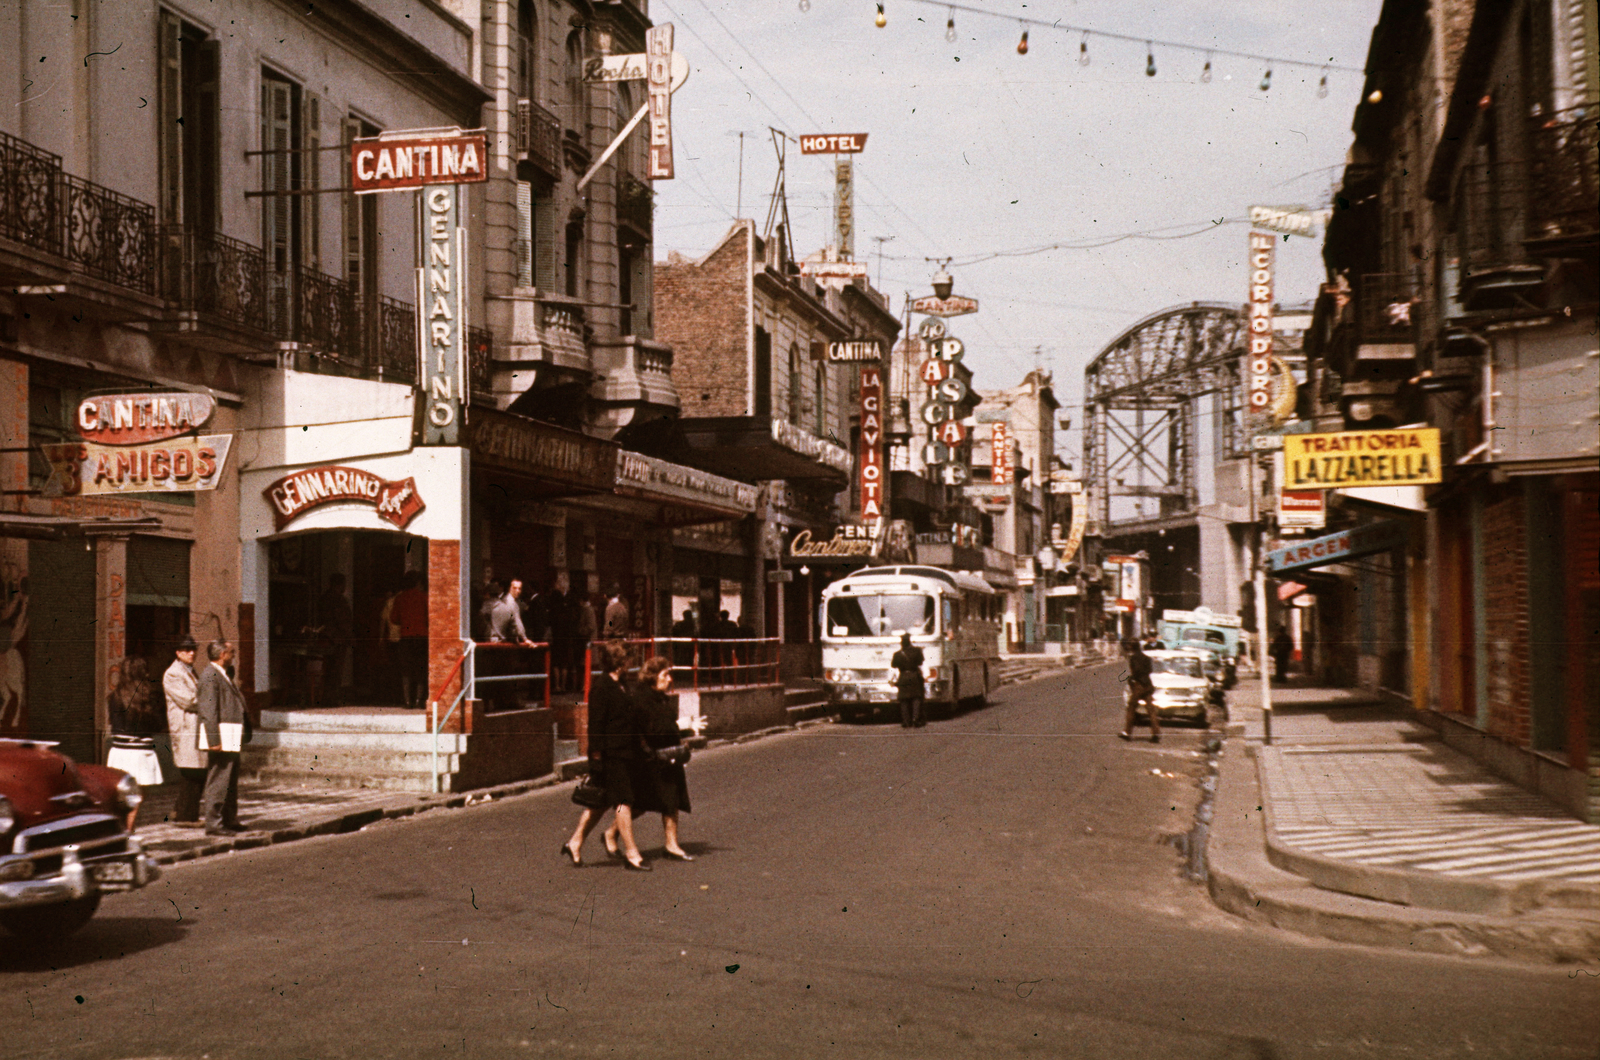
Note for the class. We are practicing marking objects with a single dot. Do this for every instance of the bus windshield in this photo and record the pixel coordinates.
(886, 615)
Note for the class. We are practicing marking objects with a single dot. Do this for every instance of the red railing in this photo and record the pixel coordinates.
(704, 662)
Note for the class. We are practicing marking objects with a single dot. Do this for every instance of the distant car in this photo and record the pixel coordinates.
(65, 839)
(1182, 688)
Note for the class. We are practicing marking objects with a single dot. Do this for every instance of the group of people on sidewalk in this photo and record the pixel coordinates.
(565, 620)
(207, 726)
(636, 758)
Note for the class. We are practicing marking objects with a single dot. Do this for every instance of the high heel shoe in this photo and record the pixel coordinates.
(611, 844)
(636, 866)
(569, 852)
(679, 855)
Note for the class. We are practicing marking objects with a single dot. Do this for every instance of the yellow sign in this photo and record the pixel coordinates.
(1407, 457)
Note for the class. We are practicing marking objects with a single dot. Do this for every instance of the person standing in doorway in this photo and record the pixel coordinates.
(183, 728)
(588, 630)
(338, 628)
(1282, 650)
(566, 652)
(616, 615)
(223, 725)
(683, 634)
(907, 664)
(409, 614)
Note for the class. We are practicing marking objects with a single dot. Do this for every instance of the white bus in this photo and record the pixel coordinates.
(953, 616)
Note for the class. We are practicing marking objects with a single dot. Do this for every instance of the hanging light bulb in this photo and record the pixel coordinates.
(1322, 86)
(805, 5)
(1149, 60)
(1022, 45)
(1266, 80)
(950, 27)
(1205, 71)
(1083, 50)
(881, 20)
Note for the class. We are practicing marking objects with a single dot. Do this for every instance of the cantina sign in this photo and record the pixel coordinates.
(406, 162)
(294, 495)
(871, 443)
(138, 443)
(131, 419)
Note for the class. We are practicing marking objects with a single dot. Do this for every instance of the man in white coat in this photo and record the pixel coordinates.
(183, 725)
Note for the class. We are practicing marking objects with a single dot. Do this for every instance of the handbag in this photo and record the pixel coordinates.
(590, 794)
(676, 755)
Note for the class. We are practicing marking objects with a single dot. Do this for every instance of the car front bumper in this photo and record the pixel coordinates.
(48, 877)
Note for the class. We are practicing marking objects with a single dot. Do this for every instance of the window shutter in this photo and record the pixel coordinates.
(352, 215)
(311, 179)
(275, 209)
(544, 244)
(524, 244)
(169, 78)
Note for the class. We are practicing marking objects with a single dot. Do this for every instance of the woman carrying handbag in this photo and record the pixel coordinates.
(617, 756)
(653, 698)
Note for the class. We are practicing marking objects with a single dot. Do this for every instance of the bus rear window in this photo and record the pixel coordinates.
(880, 616)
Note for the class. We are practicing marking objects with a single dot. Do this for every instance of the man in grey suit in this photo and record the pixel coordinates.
(224, 727)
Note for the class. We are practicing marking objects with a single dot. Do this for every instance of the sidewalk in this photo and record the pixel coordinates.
(1357, 824)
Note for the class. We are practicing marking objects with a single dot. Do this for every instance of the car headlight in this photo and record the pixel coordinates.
(128, 793)
(8, 817)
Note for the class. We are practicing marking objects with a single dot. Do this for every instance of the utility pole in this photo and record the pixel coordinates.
(881, 240)
(1260, 519)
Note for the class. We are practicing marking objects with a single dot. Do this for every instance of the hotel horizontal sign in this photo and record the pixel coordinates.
(1407, 457)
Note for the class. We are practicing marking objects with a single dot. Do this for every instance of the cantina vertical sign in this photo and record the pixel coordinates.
(1000, 469)
(871, 462)
(1258, 361)
(442, 304)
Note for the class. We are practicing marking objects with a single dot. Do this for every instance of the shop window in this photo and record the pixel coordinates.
(360, 237)
(187, 125)
(574, 258)
(763, 381)
(525, 46)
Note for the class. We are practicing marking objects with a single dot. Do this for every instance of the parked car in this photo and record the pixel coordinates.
(1182, 688)
(65, 839)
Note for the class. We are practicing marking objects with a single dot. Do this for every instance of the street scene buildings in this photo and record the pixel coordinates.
(311, 318)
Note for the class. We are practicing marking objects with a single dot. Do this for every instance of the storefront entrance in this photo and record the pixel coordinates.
(328, 590)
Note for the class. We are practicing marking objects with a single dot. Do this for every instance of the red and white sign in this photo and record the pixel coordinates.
(294, 495)
(951, 432)
(1258, 361)
(935, 371)
(409, 160)
(178, 465)
(132, 419)
(1302, 508)
(834, 270)
(658, 89)
(1000, 469)
(954, 306)
(871, 470)
(833, 144)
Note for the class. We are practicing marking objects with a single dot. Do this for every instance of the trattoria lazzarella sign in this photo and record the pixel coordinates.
(143, 442)
(294, 495)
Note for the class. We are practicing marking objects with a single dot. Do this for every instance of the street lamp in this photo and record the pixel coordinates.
(943, 282)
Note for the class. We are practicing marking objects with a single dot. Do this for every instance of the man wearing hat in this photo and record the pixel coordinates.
(183, 724)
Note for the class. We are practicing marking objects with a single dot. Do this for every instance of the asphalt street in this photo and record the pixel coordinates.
(1003, 882)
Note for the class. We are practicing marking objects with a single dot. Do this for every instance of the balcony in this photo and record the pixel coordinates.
(635, 205)
(480, 366)
(64, 228)
(538, 137)
(634, 380)
(215, 288)
(328, 326)
(549, 331)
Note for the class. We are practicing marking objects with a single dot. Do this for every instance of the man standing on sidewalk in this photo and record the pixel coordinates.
(183, 726)
(223, 723)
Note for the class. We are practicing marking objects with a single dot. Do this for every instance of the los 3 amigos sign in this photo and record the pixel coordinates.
(139, 443)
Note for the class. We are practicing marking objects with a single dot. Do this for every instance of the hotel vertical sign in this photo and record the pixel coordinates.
(871, 462)
(658, 92)
(441, 303)
(1258, 361)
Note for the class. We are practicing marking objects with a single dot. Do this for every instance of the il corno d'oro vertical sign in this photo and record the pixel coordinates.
(143, 442)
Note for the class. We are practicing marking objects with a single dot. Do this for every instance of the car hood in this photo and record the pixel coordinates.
(40, 782)
(1177, 682)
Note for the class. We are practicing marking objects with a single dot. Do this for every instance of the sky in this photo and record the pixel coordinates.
(983, 155)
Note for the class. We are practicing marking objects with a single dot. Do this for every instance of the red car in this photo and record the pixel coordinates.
(65, 838)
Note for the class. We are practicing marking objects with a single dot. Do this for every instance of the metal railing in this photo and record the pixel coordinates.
(394, 350)
(711, 662)
(214, 275)
(538, 136)
(635, 203)
(480, 364)
(1552, 195)
(1385, 304)
(30, 203)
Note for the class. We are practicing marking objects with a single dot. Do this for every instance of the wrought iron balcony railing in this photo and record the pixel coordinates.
(395, 352)
(214, 276)
(635, 203)
(1566, 175)
(30, 201)
(1503, 206)
(1385, 308)
(480, 364)
(538, 136)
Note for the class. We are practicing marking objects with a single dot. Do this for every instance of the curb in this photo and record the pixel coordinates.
(1242, 880)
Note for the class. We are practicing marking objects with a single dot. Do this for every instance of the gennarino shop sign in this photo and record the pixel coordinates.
(442, 305)
(294, 495)
(139, 443)
(1406, 457)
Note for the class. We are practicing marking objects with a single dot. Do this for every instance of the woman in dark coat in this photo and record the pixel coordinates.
(653, 700)
(617, 756)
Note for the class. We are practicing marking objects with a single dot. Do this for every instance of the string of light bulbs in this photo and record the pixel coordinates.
(1268, 62)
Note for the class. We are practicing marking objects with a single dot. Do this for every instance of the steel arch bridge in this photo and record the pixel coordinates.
(1142, 395)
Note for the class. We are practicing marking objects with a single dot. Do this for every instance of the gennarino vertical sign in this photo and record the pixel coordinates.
(1258, 361)
(658, 91)
(441, 304)
(871, 470)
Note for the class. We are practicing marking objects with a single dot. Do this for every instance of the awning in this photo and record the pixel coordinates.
(682, 496)
(553, 461)
(55, 527)
(763, 448)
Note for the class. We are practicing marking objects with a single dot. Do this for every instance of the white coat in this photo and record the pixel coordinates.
(183, 723)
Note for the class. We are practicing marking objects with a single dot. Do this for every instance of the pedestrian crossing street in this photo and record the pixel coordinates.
(1423, 809)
